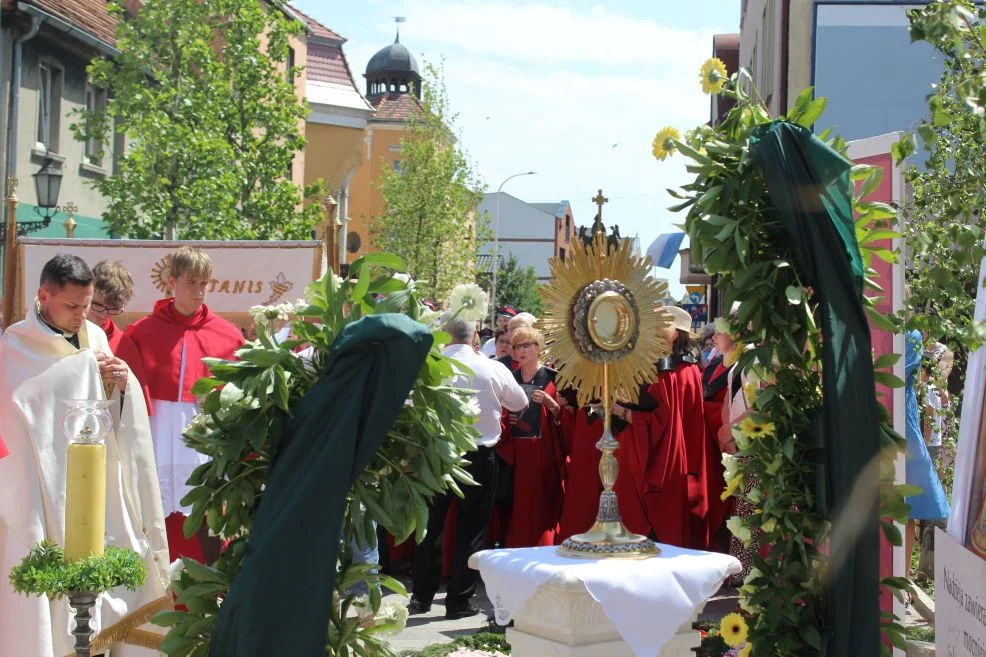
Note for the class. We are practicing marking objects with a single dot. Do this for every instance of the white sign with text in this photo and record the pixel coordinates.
(960, 599)
(245, 274)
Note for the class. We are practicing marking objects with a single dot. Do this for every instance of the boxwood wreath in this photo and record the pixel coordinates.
(779, 346)
(245, 406)
(44, 571)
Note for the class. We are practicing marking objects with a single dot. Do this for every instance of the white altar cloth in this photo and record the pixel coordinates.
(646, 600)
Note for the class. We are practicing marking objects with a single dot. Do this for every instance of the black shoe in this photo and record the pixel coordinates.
(415, 607)
(461, 611)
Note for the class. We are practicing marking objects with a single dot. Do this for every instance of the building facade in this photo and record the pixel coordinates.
(532, 232)
(45, 48)
(336, 129)
(857, 54)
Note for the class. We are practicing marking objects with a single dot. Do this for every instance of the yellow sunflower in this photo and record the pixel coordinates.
(733, 629)
(753, 429)
(714, 75)
(745, 651)
(731, 488)
(664, 142)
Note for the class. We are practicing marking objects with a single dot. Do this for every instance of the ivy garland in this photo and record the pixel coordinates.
(777, 333)
(44, 571)
(245, 407)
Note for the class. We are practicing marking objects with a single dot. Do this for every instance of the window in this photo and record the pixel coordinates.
(49, 107)
(289, 68)
(95, 107)
(561, 254)
(568, 232)
(397, 165)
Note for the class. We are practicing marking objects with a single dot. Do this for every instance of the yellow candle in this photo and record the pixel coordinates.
(85, 501)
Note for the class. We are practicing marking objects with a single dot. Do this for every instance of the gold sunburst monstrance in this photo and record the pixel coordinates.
(603, 329)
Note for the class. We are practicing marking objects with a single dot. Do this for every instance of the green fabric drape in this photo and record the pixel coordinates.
(279, 604)
(811, 192)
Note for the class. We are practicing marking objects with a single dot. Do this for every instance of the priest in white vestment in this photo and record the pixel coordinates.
(53, 355)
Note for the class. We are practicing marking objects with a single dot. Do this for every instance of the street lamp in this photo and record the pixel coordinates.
(47, 183)
(496, 243)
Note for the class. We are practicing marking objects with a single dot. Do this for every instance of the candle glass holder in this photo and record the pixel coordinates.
(86, 423)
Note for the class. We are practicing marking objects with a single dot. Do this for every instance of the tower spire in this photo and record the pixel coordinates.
(399, 20)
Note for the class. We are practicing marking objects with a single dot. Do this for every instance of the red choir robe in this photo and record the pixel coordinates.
(652, 485)
(533, 447)
(3, 449)
(714, 382)
(580, 433)
(159, 338)
(685, 414)
(125, 349)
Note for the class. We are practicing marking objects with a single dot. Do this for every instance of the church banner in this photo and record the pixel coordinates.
(245, 273)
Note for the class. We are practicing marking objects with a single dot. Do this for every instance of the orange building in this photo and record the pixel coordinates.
(393, 88)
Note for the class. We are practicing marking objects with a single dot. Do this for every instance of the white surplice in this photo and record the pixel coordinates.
(38, 369)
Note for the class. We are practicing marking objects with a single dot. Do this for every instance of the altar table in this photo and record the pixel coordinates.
(567, 607)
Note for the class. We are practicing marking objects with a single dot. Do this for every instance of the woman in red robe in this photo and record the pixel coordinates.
(715, 382)
(581, 429)
(532, 445)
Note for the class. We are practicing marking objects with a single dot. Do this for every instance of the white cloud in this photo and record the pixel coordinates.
(575, 95)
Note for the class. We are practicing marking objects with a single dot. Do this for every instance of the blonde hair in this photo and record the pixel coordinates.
(527, 334)
(114, 282)
(192, 260)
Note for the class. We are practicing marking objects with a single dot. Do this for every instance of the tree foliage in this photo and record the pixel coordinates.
(431, 198)
(212, 122)
(734, 232)
(945, 227)
(246, 406)
(517, 286)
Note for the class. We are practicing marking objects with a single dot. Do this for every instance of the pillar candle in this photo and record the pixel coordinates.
(85, 501)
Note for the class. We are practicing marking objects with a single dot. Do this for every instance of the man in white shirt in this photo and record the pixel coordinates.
(496, 389)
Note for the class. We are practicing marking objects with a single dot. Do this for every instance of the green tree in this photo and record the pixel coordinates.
(203, 94)
(518, 286)
(431, 199)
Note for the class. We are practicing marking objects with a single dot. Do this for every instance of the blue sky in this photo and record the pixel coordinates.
(573, 90)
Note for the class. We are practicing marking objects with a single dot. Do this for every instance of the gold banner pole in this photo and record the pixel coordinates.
(9, 264)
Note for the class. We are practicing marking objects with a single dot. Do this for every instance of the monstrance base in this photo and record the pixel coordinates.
(609, 540)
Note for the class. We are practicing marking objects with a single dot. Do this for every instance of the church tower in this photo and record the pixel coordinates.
(393, 89)
(393, 70)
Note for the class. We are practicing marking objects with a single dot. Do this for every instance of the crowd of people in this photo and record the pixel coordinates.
(538, 468)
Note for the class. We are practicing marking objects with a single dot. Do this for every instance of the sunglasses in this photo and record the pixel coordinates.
(100, 308)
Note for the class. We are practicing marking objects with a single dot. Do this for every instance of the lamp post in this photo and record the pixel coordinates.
(47, 184)
(496, 243)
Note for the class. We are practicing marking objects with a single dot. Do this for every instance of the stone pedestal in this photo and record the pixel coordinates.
(562, 620)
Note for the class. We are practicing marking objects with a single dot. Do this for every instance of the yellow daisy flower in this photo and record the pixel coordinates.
(733, 629)
(745, 651)
(731, 488)
(753, 429)
(714, 75)
(664, 142)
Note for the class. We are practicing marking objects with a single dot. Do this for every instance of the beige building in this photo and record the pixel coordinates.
(775, 44)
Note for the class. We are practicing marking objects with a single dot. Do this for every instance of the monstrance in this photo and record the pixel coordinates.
(603, 329)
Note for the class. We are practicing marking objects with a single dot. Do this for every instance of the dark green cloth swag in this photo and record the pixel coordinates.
(280, 602)
(810, 189)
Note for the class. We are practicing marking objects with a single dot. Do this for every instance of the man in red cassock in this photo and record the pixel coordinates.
(581, 429)
(113, 287)
(172, 341)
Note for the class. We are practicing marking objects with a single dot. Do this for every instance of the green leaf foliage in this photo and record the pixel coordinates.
(735, 235)
(247, 404)
(44, 572)
(518, 286)
(431, 198)
(211, 120)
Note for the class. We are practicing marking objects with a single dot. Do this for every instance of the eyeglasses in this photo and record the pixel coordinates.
(100, 308)
(525, 345)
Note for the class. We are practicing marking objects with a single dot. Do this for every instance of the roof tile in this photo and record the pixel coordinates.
(317, 28)
(394, 107)
(328, 64)
(88, 15)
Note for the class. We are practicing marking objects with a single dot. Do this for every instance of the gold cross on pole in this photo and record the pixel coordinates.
(600, 200)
